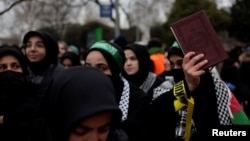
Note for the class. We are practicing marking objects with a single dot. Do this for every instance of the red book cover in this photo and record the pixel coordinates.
(196, 33)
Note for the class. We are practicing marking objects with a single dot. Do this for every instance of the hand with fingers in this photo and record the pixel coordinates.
(192, 64)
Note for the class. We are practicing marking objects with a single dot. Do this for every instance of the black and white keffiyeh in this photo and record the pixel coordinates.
(124, 101)
(223, 102)
(163, 88)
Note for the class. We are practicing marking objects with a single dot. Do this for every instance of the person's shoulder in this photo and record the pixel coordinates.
(159, 80)
(136, 93)
(58, 68)
(166, 95)
(164, 102)
(119, 135)
(162, 75)
(135, 89)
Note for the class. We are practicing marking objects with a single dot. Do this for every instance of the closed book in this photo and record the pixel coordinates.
(196, 33)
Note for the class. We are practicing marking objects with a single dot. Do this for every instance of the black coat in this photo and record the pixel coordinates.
(19, 104)
(162, 118)
(138, 104)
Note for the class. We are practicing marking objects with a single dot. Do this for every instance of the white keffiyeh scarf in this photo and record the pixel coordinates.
(124, 101)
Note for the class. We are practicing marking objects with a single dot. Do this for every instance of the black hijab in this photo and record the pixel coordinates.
(145, 64)
(71, 56)
(9, 50)
(177, 73)
(13, 84)
(52, 50)
(77, 93)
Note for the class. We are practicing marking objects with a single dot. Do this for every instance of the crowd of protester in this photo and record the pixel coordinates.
(119, 91)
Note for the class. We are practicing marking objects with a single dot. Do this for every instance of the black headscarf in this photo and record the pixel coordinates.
(145, 64)
(9, 50)
(77, 93)
(13, 84)
(177, 73)
(52, 50)
(121, 41)
(175, 50)
(72, 56)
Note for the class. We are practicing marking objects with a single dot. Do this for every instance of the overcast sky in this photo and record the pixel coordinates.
(225, 3)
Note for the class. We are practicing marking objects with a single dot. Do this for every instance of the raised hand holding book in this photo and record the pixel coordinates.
(196, 33)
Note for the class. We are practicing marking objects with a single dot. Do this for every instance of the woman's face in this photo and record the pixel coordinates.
(62, 49)
(10, 62)
(131, 65)
(35, 49)
(67, 63)
(96, 59)
(94, 128)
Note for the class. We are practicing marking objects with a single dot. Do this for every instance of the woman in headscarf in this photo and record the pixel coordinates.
(17, 108)
(82, 106)
(138, 68)
(110, 58)
(196, 98)
(69, 59)
(41, 52)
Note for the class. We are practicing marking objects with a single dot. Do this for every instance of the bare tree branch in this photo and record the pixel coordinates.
(12, 5)
(34, 14)
(83, 3)
(126, 14)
